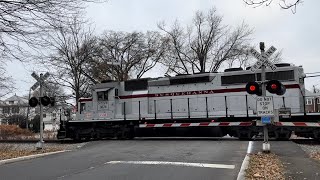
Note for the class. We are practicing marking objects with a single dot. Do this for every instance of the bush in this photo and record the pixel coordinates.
(17, 120)
(14, 132)
(35, 124)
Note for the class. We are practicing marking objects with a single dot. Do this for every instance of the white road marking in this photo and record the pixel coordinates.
(204, 165)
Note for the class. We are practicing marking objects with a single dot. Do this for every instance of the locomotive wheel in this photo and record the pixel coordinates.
(244, 134)
(283, 136)
(77, 137)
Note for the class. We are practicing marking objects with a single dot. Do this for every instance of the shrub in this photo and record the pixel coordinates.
(14, 132)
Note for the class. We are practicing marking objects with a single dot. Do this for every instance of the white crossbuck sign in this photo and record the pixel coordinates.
(263, 59)
(37, 84)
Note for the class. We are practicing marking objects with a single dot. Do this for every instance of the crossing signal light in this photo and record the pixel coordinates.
(276, 87)
(45, 100)
(33, 102)
(253, 88)
(52, 101)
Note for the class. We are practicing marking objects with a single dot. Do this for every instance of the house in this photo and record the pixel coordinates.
(15, 105)
(312, 101)
(52, 117)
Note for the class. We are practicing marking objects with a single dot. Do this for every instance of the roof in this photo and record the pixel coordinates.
(310, 93)
(21, 100)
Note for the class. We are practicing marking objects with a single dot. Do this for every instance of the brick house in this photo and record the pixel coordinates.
(312, 101)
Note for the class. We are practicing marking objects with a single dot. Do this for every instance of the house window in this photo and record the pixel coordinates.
(102, 95)
(82, 107)
(308, 101)
(53, 114)
(11, 102)
(6, 110)
(318, 100)
(44, 115)
(15, 109)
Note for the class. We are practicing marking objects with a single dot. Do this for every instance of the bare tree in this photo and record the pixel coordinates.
(6, 82)
(205, 44)
(22, 23)
(284, 4)
(136, 52)
(74, 47)
(52, 89)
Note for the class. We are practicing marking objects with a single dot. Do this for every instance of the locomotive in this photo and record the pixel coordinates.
(210, 104)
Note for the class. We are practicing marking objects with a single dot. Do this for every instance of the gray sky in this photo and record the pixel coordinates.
(296, 34)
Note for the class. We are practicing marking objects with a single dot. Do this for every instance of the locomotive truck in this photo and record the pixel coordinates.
(210, 104)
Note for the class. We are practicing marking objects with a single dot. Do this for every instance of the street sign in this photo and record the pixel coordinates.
(263, 59)
(266, 119)
(265, 106)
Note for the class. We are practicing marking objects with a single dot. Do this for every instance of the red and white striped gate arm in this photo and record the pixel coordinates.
(303, 124)
(201, 124)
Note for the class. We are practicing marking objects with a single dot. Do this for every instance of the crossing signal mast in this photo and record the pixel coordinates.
(259, 88)
(42, 101)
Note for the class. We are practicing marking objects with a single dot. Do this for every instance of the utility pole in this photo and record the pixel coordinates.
(266, 144)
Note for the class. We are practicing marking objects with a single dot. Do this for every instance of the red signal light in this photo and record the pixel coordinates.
(274, 86)
(252, 88)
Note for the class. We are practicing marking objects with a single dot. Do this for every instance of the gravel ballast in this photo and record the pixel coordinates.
(313, 150)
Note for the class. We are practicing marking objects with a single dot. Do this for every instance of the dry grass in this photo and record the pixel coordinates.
(12, 132)
(8, 151)
(265, 167)
(315, 155)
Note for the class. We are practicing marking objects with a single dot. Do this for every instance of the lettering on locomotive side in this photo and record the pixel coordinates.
(184, 93)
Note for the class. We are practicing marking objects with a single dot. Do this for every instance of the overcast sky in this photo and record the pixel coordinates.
(296, 34)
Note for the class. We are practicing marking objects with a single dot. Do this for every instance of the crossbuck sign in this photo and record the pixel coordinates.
(35, 76)
(263, 59)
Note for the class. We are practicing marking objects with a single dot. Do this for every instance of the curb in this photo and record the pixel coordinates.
(244, 166)
(6, 161)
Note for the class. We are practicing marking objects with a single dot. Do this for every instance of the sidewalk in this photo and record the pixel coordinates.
(297, 164)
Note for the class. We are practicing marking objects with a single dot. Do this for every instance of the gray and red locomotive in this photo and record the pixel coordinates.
(204, 104)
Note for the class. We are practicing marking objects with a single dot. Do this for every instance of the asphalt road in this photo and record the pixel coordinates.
(140, 159)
